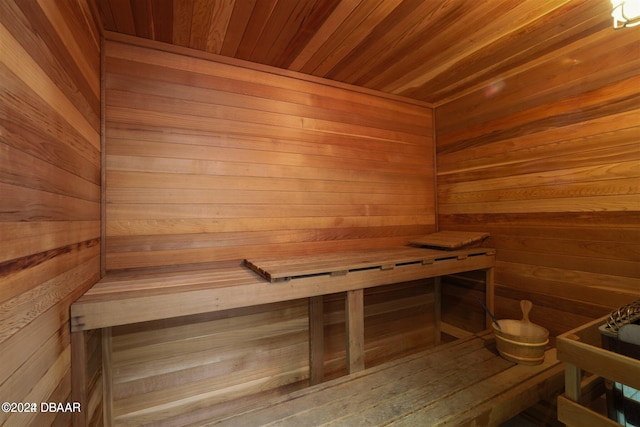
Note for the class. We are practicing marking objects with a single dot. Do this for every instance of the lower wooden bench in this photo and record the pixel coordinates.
(460, 383)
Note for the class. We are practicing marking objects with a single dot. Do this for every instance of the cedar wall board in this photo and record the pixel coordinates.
(546, 158)
(200, 368)
(49, 196)
(211, 160)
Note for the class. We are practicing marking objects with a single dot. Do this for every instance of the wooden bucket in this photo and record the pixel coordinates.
(521, 341)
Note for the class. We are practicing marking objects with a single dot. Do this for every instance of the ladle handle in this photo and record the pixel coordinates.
(526, 306)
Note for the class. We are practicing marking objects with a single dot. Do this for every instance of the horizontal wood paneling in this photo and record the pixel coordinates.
(199, 368)
(208, 361)
(547, 159)
(209, 161)
(50, 203)
(218, 162)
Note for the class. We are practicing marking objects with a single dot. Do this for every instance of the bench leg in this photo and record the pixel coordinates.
(107, 376)
(316, 340)
(79, 377)
(489, 295)
(572, 382)
(355, 330)
(437, 309)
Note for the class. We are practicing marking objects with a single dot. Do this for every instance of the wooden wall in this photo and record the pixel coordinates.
(214, 160)
(546, 157)
(49, 195)
(211, 161)
(200, 368)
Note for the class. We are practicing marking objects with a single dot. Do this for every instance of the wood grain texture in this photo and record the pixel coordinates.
(547, 160)
(207, 161)
(584, 354)
(207, 362)
(434, 387)
(50, 203)
(316, 340)
(161, 309)
(120, 300)
(354, 316)
(224, 362)
(418, 49)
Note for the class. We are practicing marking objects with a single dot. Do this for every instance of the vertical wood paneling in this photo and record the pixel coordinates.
(50, 195)
(547, 159)
(427, 50)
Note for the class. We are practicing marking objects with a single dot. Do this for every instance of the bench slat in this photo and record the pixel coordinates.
(420, 390)
(148, 296)
(130, 287)
(278, 269)
(341, 388)
(496, 398)
(465, 378)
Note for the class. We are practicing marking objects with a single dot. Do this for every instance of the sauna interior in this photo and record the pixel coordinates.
(160, 136)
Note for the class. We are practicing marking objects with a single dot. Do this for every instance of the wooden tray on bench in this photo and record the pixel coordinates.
(450, 240)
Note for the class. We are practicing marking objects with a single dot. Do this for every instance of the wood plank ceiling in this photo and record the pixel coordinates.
(429, 50)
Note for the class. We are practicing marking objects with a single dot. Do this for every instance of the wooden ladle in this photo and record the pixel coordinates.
(525, 327)
(526, 306)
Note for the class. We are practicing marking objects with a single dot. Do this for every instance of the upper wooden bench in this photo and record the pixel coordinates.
(133, 297)
(460, 383)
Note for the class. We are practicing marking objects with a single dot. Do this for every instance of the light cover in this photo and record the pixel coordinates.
(626, 13)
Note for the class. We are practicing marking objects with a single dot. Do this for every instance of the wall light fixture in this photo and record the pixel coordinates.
(626, 13)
